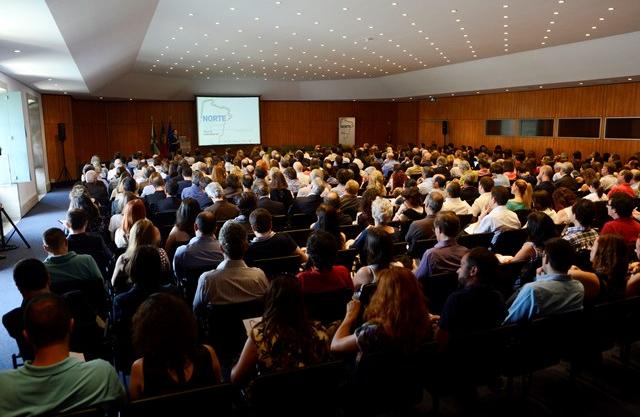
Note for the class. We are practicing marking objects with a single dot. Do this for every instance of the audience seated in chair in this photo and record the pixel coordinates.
(324, 275)
(553, 291)
(262, 192)
(133, 211)
(379, 247)
(396, 318)
(329, 221)
(170, 358)
(349, 203)
(221, 208)
(54, 381)
(284, 338)
(171, 201)
(267, 243)
(496, 217)
(81, 242)
(382, 213)
(203, 250)
(453, 201)
(195, 191)
(445, 256)
(183, 231)
(485, 187)
(477, 305)
(232, 281)
(540, 228)
(581, 235)
(424, 228)
(620, 207)
(523, 196)
(411, 208)
(247, 203)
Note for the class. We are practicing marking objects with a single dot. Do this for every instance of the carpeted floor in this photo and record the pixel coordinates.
(43, 216)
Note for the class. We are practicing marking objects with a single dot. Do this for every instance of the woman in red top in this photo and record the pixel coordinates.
(323, 276)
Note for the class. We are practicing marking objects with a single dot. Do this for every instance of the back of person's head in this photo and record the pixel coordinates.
(47, 320)
(486, 264)
(412, 196)
(584, 211)
(560, 254)
(133, 211)
(542, 200)
(129, 184)
(622, 203)
(260, 220)
(187, 171)
(260, 173)
(453, 190)
(496, 168)
(156, 180)
(54, 239)
(246, 202)
(332, 199)
(206, 223)
(500, 194)
(172, 344)
(261, 189)
(609, 257)
(399, 309)
(186, 215)
(563, 197)
(143, 232)
(379, 247)
(447, 223)
(567, 168)
(322, 248)
(278, 181)
(77, 219)
(30, 275)
(486, 183)
(145, 267)
(352, 187)
(540, 228)
(440, 180)
(290, 172)
(196, 178)
(382, 210)
(233, 239)
(214, 190)
(171, 188)
(434, 202)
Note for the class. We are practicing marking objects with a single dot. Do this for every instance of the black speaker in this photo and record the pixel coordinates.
(445, 127)
(62, 132)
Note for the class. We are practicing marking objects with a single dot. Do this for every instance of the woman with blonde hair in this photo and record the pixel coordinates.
(143, 232)
(376, 180)
(133, 211)
(523, 193)
(396, 319)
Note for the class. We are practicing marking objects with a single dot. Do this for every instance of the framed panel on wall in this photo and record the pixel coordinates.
(501, 127)
(622, 128)
(583, 127)
(536, 127)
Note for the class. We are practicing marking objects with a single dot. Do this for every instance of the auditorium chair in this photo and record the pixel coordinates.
(509, 242)
(301, 221)
(351, 231)
(224, 329)
(437, 288)
(216, 400)
(311, 391)
(522, 215)
(276, 266)
(475, 240)
(506, 277)
(465, 219)
(189, 283)
(420, 247)
(399, 248)
(601, 215)
(279, 222)
(300, 236)
(327, 307)
(346, 258)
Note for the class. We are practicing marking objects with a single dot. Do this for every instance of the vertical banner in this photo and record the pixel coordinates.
(185, 143)
(347, 131)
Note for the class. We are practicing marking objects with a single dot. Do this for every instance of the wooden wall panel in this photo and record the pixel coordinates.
(58, 109)
(467, 115)
(407, 122)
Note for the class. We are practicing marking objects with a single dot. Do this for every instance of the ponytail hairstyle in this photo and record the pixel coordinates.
(525, 190)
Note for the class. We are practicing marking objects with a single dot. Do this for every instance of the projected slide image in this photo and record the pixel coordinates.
(228, 120)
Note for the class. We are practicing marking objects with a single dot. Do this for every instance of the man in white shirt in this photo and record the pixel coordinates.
(315, 174)
(112, 172)
(302, 177)
(485, 187)
(608, 178)
(496, 217)
(453, 202)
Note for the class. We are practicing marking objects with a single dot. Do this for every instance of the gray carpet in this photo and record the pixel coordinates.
(43, 216)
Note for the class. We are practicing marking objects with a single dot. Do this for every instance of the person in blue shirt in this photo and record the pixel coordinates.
(196, 191)
(553, 291)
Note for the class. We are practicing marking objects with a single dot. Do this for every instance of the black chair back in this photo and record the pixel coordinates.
(164, 218)
(420, 247)
(225, 330)
(279, 222)
(310, 391)
(601, 216)
(327, 306)
(189, 283)
(478, 239)
(300, 236)
(437, 289)
(522, 215)
(213, 400)
(301, 221)
(506, 277)
(351, 231)
(465, 219)
(509, 242)
(399, 248)
(275, 266)
(346, 258)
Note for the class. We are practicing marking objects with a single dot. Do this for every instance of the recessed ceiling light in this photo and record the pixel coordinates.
(601, 19)
(543, 43)
(594, 27)
(552, 23)
(180, 28)
(561, 1)
(256, 18)
(404, 14)
(101, 98)
(556, 13)
(548, 30)
(50, 79)
(506, 49)
(394, 4)
(539, 86)
(611, 9)
(581, 83)
(506, 89)
(505, 26)
(345, 9)
(454, 10)
(16, 51)
(465, 35)
(299, 13)
(629, 79)
(232, 8)
(458, 20)
(505, 17)
(217, 23)
(190, 14)
(505, 5)
(587, 34)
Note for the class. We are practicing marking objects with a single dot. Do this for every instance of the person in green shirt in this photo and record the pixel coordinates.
(70, 271)
(55, 382)
(523, 194)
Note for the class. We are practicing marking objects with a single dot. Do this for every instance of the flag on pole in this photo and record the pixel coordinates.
(164, 149)
(154, 144)
(171, 139)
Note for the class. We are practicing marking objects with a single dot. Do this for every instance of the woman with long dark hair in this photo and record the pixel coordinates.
(171, 359)
(183, 230)
(284, 338)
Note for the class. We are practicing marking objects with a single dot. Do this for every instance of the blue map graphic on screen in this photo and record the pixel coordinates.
(216, 118)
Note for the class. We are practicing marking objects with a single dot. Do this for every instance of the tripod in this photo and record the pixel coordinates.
(4, 241)
(64, 172)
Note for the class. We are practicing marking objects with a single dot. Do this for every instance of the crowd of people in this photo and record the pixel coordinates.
(119, 264)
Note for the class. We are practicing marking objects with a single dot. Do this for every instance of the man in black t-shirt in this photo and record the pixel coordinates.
(476, 306)
(267, 243)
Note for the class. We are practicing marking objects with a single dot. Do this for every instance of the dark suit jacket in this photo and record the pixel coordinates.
(276, 208)
(568, 182)
(469, 194)
(168, 204)
(306, 205)
(94, 245)
(350, 205)
(223, 210)
(546, 186)
(151, 201)
(99, 192)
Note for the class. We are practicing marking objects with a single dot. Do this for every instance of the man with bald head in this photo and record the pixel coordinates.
(545, 179)
(203, 250)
